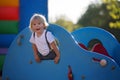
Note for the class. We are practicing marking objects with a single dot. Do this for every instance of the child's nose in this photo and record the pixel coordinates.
(37, 25)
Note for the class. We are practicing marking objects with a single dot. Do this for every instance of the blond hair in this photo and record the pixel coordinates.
(41, 18)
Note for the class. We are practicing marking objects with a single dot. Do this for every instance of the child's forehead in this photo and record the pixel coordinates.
(36, 20)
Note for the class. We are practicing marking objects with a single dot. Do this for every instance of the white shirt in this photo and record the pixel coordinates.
(41, 43)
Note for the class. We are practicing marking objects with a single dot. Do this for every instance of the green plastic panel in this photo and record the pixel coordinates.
(8, 27)
(2, 58)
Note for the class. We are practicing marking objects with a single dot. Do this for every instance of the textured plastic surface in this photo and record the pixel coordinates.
(21, 65)
(84, 35)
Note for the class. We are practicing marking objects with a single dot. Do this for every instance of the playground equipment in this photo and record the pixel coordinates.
(75, 62)
(84, 35)
(21, 65)
(14, 17)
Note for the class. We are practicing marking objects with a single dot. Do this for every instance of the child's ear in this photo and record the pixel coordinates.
(44, 25)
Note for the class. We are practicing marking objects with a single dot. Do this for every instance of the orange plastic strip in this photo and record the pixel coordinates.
(9, 13)
(9, 3)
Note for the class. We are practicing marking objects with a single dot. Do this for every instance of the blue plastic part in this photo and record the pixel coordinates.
(21, 65)
(6, 40)
(84, 35)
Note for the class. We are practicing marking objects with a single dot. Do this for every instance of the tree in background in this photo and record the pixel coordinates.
(66, 23)
(113, 6)
(97, 15)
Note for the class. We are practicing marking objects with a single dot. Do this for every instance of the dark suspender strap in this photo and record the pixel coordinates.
(34, 34)
(47, 40)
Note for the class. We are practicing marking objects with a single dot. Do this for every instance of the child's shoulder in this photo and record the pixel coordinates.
(48, 32)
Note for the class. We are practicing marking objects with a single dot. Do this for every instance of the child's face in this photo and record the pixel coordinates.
(37, 26)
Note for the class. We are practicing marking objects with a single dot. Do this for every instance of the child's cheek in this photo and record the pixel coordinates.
(33, 29)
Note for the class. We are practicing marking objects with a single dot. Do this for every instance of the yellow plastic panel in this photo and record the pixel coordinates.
(9, 3)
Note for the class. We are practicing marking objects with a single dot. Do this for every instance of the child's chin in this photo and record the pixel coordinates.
(38, 31)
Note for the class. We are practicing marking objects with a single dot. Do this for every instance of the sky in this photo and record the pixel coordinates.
(72, 9)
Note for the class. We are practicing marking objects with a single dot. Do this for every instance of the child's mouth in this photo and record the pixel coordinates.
(38, 29)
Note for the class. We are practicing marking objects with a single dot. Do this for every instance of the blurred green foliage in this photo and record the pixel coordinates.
(98, 15)
(113, 7)
(67, 24)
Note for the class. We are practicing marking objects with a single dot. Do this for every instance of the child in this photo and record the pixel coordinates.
(43, 42)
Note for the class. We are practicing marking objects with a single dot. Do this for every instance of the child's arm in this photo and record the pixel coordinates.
(35, 53)
(54, 46)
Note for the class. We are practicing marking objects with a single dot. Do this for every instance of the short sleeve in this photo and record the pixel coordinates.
(50, 37)
(32, 39)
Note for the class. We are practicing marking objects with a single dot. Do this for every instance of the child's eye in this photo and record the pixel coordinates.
(39, 23)
(34, 24)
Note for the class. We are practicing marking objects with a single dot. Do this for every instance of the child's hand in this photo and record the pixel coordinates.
(56, 60)
(37, 58)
